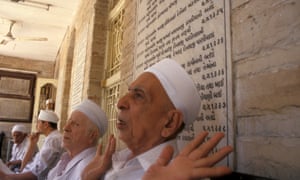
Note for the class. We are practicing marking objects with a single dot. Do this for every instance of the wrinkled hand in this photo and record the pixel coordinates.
(193, 162)
(101, 163)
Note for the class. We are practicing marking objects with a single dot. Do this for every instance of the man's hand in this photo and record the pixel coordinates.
(193, 161)
(101, 163)
(34, 138)
(14, 163)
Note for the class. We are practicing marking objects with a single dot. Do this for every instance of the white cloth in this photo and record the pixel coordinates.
(179, 86)
(135, 168)
(72, 168)
(47, 157)
(94, 113)
(19, 128)
(19, 150)
(49, 116)
(4, 168)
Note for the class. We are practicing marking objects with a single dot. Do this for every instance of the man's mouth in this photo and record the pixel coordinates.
(120, 123)
(65, 137)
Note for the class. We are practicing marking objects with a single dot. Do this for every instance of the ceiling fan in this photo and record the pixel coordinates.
(9, 36)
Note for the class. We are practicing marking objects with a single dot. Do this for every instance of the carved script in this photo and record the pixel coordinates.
(195, 34)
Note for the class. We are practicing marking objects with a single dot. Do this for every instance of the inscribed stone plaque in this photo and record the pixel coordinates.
(12, 109)
(78, 73)
(15, 86)
(196, 34)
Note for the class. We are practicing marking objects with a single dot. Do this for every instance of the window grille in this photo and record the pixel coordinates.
(115, 44)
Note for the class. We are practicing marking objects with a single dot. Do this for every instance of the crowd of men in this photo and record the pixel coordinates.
(159, 104)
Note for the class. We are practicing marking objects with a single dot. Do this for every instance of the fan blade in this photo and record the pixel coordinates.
(8, 36)
(3, 42)
(32, 39)
(10, 28)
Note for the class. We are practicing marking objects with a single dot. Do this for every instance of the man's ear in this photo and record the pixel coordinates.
(93, 135)
(173, 124)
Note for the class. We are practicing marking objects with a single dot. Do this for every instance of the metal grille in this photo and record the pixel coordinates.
(111, 99)
(113, 62)
(116, 39)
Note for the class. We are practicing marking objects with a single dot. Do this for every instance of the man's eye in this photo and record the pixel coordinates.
(138, 95)
(74, 124)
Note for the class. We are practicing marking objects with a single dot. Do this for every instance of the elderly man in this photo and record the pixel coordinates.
(193, 162)
(85, 126)
(21, 143)
(87, 123)
(159, 103)
(48, 155)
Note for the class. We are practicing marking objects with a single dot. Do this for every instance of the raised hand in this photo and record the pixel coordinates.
(34, 137)
(100, 163)
(193, 162)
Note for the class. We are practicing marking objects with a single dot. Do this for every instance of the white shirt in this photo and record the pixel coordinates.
(47, 157)
(135, 168)
(19, 150)
(71, 169)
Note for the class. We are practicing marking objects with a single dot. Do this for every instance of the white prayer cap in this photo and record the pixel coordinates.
(94, 113)
(19, 128)
(179, 86)
(48, 101)
(49, 116)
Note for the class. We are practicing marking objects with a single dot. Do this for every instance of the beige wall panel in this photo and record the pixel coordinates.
(265, 51)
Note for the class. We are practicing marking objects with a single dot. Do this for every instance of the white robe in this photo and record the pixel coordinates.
(72, 170)
(47, 157)
(135, 168)
(19, 150)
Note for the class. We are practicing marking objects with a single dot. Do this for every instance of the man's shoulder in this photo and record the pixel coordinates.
(53, 140)
(55, 134)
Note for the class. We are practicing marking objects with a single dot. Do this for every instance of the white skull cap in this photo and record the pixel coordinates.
(94, 113)
(49, 116)
(179, 86)
(19, 128)
(48, 101)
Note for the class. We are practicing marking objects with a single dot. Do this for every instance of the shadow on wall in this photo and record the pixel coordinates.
(240, 176)
(2, 134)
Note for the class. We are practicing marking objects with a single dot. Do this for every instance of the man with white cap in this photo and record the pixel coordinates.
(159, 103)
(48, 155)
(49, 104)
(21, 142)
(86, 124)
